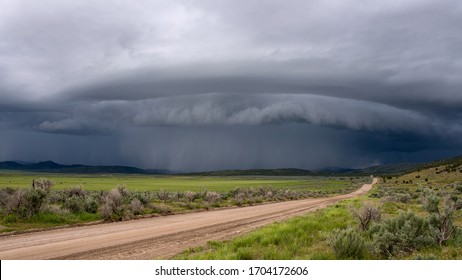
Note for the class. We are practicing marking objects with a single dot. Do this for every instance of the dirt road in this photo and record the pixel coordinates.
(161, 237)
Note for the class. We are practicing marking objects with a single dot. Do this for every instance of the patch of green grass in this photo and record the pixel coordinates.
(44, 220)
(298, 238)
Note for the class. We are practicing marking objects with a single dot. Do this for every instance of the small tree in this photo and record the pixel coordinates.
(441, 218)
(366, 215)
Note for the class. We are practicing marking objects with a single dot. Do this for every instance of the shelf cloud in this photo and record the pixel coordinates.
(200, 85)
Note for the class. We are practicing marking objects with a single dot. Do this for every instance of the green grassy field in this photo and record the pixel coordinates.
(173, 183)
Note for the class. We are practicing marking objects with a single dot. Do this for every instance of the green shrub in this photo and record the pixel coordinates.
(212, 197)
(76, 191)
(74, 204)
(403, 234)
(42, 184)
(34, 199)
(112, 208)
(91, 206)
(124, 192)
(347, 244)
(163, 195)
(441, 218)
(25, 203)
(143, 197)
(136, 206)
(190, 196)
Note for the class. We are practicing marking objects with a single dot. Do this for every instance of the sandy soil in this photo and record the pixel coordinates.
(155, 238)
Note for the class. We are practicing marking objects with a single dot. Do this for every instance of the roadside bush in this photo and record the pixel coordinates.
(74, 204)
(57, 197)
(190, 196)
(35, 198)
(112, 208)
(289, 194)
(106, 212)
(347, 244)
(16, 204)
(143, 197)
(25, 203)
(212, 197)
(5, 195)
(136, 206)
(28, 203)
(163, 195)
(366, 215)
(403, 234)
(91, 206)
(239, 199)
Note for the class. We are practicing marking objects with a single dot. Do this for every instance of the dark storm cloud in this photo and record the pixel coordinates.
(257, 109)
(165, 82)
(431, 94)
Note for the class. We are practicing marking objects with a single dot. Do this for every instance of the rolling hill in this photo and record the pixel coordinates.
(395, 169)
(53, 167)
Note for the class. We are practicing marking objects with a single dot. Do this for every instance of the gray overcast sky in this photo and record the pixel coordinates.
(201, 85)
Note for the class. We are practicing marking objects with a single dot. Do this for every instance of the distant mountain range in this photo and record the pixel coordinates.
(386, 169)
(378, 170)
(53, 167)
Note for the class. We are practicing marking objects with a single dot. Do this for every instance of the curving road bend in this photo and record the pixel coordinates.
(154, 238)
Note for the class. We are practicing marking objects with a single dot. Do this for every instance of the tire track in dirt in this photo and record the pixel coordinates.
(160, 237)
